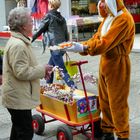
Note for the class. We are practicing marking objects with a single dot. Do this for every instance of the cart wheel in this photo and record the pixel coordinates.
(38, 124)
(64, 133)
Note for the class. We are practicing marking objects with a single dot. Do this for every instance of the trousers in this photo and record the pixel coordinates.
(56, 59)
(21, 125)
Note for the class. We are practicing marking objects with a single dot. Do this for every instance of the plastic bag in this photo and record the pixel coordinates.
(72, 70)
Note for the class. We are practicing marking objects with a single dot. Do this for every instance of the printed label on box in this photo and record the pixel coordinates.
(82, 109)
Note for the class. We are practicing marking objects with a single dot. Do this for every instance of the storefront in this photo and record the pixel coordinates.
(71, 8)
(78, 13)
(83, 18)
(134, 8)
(68, 7)
(84, 7)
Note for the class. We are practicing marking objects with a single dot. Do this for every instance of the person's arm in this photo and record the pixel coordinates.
(116, 34)
(95, 36)
(42, 28)
(23, 68)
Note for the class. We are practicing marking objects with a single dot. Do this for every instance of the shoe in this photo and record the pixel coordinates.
(97, 129)
(108, 136)
(123, 139)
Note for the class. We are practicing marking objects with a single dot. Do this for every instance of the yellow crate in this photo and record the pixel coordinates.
(58, 108)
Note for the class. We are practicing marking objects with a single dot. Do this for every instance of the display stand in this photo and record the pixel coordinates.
(78, 25)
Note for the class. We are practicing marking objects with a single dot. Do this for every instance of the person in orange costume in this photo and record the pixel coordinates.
(113, 41)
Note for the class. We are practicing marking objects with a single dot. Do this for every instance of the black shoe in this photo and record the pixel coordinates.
(123, 139)
(97, 129)
(108, 136)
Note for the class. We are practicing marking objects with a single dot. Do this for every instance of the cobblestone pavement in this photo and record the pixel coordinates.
(92, 66)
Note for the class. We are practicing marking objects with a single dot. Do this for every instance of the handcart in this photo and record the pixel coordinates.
(88, 122)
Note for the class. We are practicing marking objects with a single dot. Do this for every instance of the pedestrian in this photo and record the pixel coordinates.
(113, 41)
(21, 74)
(54, 30)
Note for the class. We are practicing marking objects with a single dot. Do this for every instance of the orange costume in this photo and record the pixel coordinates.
(114, 44)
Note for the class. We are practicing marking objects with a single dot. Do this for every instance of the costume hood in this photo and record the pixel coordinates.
(113, 5)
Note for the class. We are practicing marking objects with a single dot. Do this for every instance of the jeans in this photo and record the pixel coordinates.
(56, 59)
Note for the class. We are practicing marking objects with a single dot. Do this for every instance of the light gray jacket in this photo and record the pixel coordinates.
(21, 74)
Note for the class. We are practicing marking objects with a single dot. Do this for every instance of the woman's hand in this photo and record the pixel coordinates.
(48, 71)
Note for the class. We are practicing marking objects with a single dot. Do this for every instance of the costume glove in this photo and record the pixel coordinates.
(76, 47)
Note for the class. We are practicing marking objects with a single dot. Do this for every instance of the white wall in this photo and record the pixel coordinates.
(9, 4)
(2, 14)
(5, 7)
(65, 8)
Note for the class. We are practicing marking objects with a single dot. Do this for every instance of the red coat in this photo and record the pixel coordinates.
(42, 6)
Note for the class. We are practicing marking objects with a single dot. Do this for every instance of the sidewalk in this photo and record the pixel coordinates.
(93, 62)
(136, 47)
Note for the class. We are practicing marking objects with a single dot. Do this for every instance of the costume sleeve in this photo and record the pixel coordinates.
(42, 28)
(95, 36)
(113, 37)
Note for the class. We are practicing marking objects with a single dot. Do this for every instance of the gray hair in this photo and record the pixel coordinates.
(17, 18)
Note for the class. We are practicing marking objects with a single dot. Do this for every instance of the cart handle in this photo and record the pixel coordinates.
(85, 92)
(78, 63)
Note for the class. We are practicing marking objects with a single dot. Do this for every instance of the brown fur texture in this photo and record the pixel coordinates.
(114, 71)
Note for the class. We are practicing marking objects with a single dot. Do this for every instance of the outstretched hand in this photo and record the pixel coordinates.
(76, 47)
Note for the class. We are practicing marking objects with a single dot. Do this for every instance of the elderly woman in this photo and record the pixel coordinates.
(21, 74)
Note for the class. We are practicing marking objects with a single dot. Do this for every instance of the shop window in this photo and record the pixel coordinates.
(84, 7)
(133, 7)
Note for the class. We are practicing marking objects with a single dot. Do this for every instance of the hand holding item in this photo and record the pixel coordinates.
(76, 47)
(48, 71)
